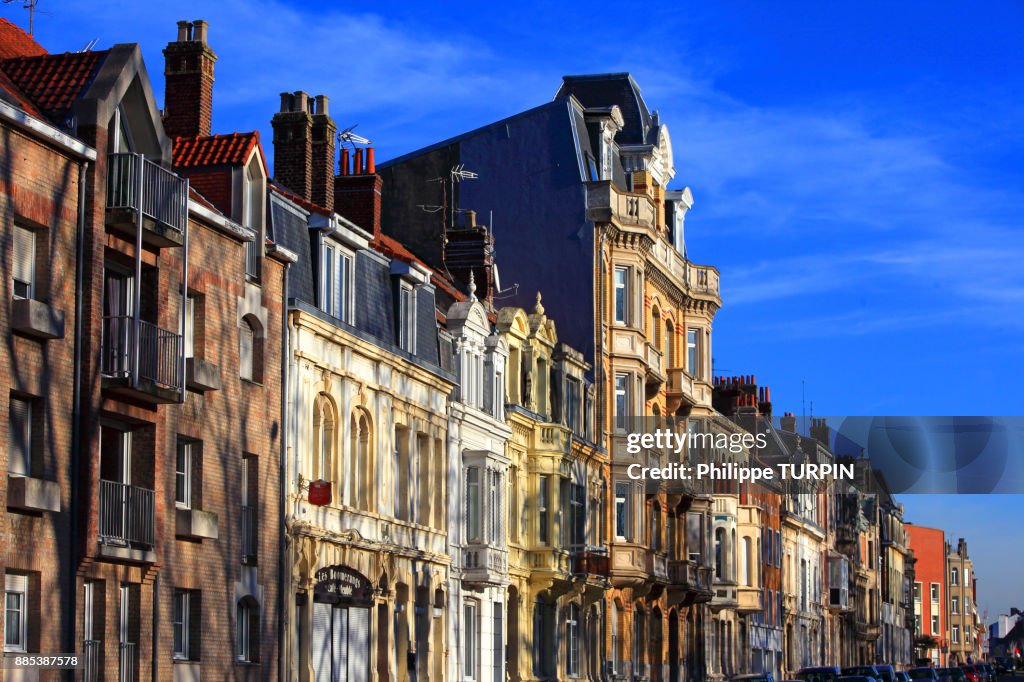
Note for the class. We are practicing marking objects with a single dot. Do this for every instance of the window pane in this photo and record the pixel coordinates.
(24, 262)
(20, 454)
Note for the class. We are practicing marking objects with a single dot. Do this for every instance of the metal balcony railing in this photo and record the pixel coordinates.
(159, 351)
(248, 533)
(127, 662)
(126, 514)
(92, 656)
(159, 194)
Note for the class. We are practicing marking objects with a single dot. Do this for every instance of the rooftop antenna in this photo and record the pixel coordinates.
(30, 5)
(89, 45)
(347, 136)
(803, 404)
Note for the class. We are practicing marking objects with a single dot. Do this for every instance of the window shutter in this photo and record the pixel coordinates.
(321, 642)
(24, 262)
(340, 307)
(339, 640)
(20, 459)
(358, 645)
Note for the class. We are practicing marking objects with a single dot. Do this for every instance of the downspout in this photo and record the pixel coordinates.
(76, 416)
(154, 658)
(284, 585)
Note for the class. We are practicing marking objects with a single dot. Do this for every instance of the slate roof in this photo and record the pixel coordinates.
(52, 82)
(215, 150)
(16, 43)
(607, 89)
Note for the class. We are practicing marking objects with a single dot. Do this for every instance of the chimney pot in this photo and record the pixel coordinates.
(767, 394)
(199, 31)
(300, 101)
(183, 27)
(286, 101)
(321, 104)
(359, 163)
(345, 167)
(371, 166)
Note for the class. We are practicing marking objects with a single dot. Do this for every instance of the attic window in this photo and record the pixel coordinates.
(406, 318)
(595, 175)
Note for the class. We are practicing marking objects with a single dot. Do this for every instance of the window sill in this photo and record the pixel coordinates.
(37, 319)
(32, 494)
(251, 382)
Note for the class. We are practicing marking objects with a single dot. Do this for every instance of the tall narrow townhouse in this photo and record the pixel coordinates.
(44, 176)
(961, 609)
(480, 491)
(163, 588)
(558, 559)
(580, 187)
(930, 593)
(894, 584)
(366, 477)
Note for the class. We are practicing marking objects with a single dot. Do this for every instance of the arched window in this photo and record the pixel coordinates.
(616, 638)
(324, 437)
(656, 527)
(250, 349)
(719, 553)
(656, 328)
(670, 344)
(247, 630)
(746, 565)
(359, 486)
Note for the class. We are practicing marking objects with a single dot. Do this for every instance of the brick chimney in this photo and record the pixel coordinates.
(322, 178)
(357, 191)
(821, 432)
(469, 249)
(787, 422)
(293, 144)
(188, 89)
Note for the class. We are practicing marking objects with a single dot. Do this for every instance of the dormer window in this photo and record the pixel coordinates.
(336, 282)
(406, 318)
(252, 218)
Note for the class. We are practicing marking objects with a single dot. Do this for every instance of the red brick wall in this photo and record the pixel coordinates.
(928, 545)
(39, 185)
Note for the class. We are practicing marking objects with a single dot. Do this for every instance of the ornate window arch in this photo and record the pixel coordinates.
(325, 437)
(360, 460)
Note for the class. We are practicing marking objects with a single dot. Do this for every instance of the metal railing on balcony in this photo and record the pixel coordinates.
(159, 194)
(591, 563)
(126, 514)
(248, 533)
(92, 660)
(158, 350)
(127, 662)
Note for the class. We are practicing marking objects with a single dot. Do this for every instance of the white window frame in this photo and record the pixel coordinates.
(544, 509)
(189, 342)
(474, 490)
(573, 615)
(179, 624)
(23, 284)
(620, 280)
(954, 605)
(16, 586)
(934, 593)
(623, 401)
(243, 635)
(622, 500)
(246, 363)
(183, 473)
(956, 634)
(954, 576)
(470, 639)
(337, 281)
(935, 623)
(694, 359)
(407, 317)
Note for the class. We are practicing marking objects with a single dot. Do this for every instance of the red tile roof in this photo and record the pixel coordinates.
(54, 81)
(16, 43)
(12, 93)
(216, 150)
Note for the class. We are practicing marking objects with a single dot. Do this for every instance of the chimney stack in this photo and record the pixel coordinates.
(293, 144)
(322, 154)
(357, 191)
(821, 432)
(788, 422)
(188, 77)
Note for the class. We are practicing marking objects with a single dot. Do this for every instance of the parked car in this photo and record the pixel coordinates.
(924, 673)
(827, 673)
(971, 673)
(1004, 664)
(865, 671)
(887, 672)
(856, 678)
(902, 676)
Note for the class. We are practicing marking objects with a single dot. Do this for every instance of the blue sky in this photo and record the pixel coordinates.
(858, 168)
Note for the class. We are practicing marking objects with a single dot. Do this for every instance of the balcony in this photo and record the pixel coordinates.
(485, 564)
(92, 655)
(138, 189)
(126, 521)
(128, 662)
(681, 390)
(698, 280)
(551, 560)
(748, 599)
(36, 319)
(870, 631)
(605, 204)
(627, 342)
(655, 376)
(657, 566)
(140, 360)
(201, 375)
(592, 565)
(249, 536)
(689, 582)
(195, 524)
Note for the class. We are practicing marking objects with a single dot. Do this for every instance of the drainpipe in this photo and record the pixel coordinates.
(184, 297)
(76, 418)
(140, 169)
(284, 582)
(154, 658)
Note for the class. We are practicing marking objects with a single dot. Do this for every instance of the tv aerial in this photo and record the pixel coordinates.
(348, 136)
